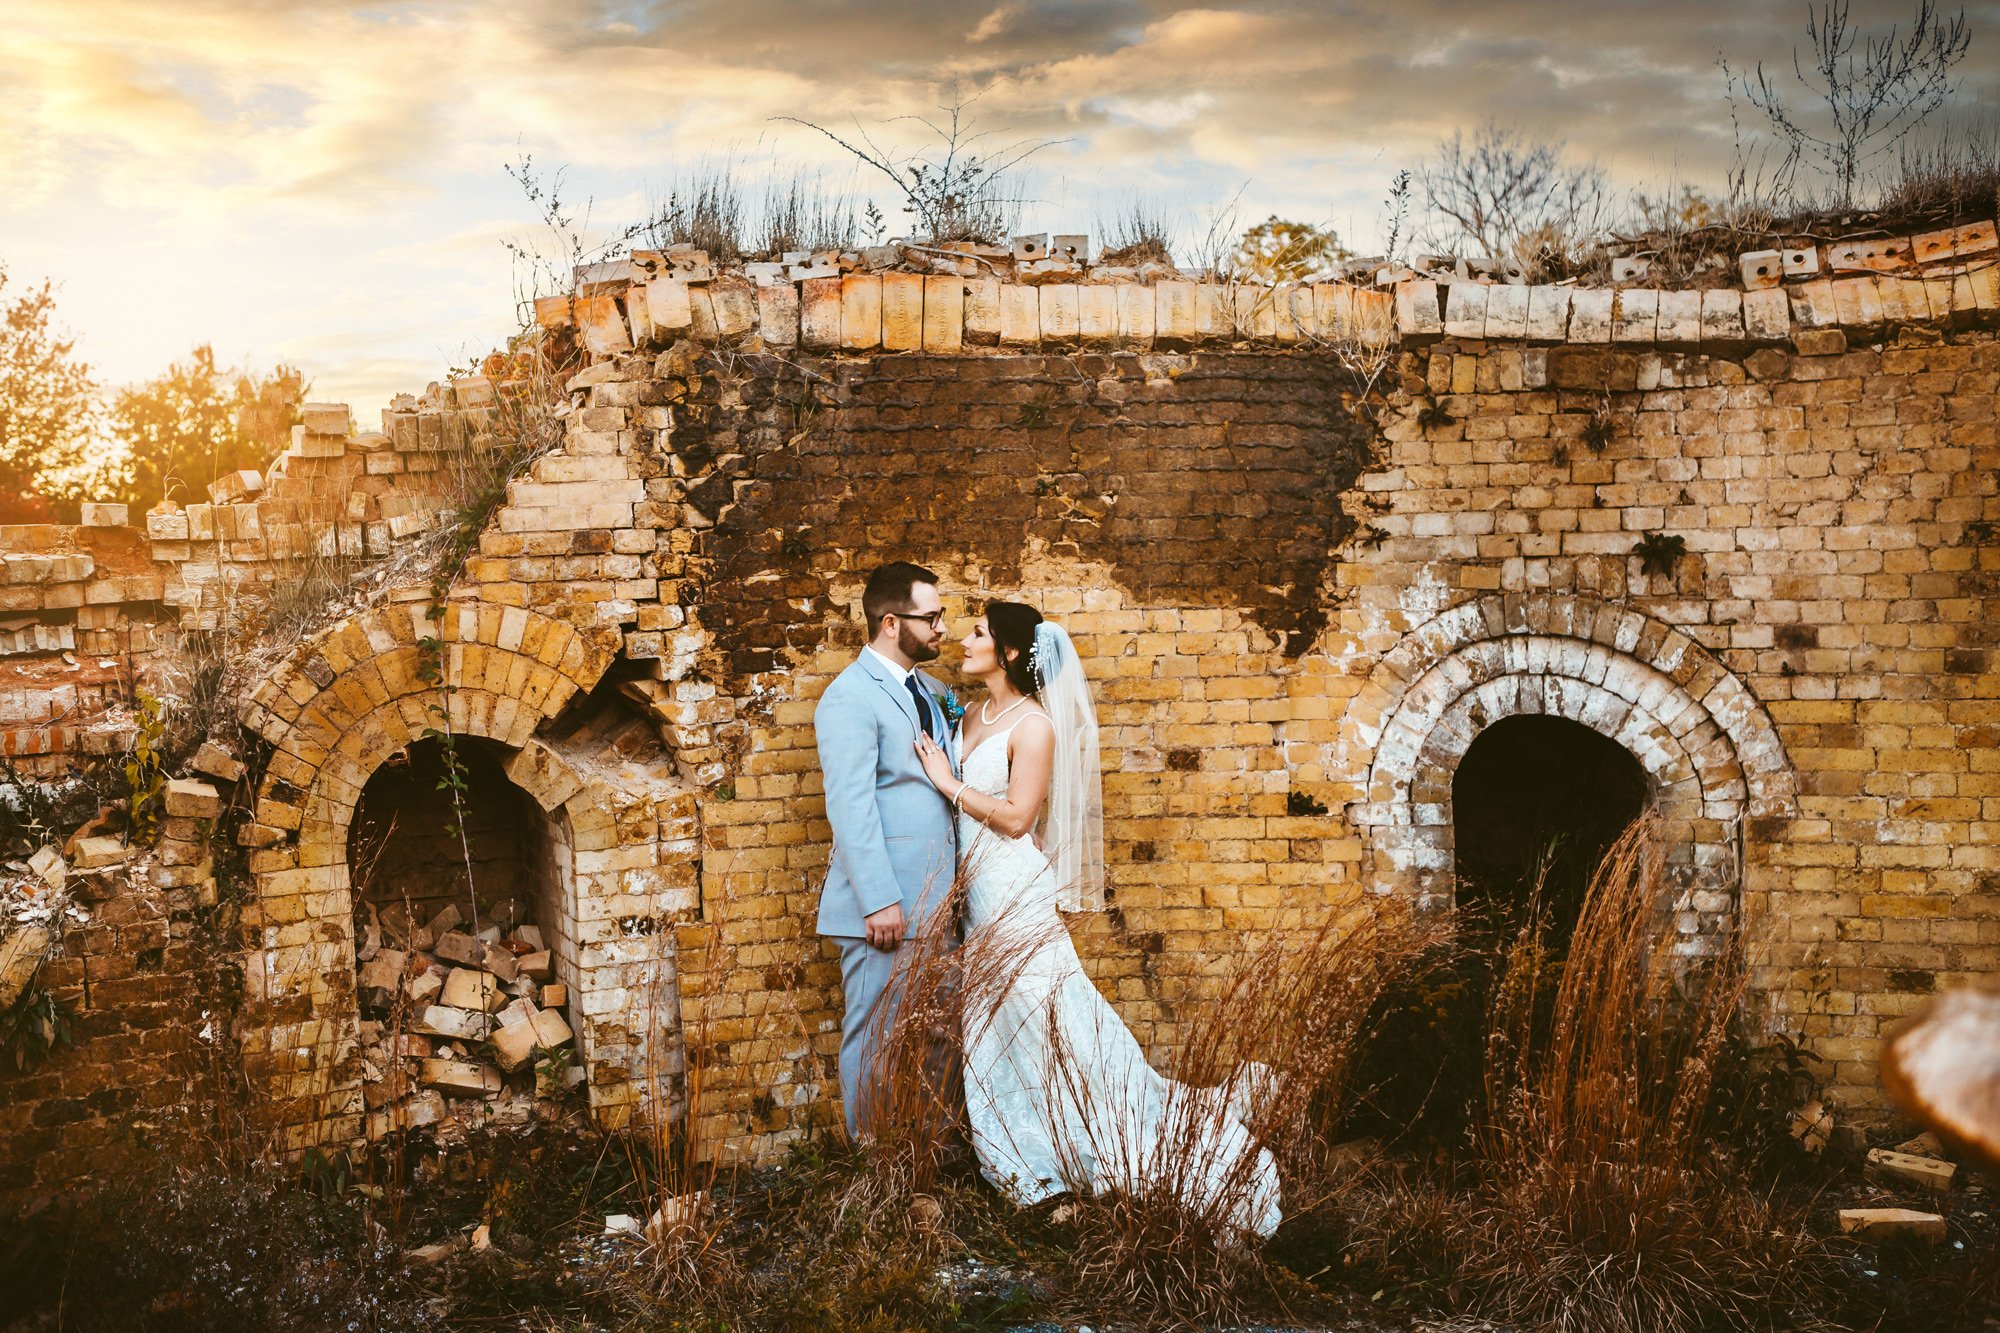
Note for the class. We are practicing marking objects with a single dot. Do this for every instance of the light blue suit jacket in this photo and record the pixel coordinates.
(894, 839)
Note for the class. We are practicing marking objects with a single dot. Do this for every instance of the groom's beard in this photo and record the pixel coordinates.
(914, 648)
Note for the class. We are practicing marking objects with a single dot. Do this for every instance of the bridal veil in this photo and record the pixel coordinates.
(1073, 822)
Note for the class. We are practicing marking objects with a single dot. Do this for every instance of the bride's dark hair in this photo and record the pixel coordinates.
(1013, 627)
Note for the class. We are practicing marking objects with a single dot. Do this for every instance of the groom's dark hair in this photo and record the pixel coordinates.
(889, 590)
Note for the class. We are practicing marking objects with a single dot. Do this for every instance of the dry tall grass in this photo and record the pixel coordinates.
(1163, 1178)
(673, 1165)
(1274, 1050)
(913, 1114)
(1603, 1202)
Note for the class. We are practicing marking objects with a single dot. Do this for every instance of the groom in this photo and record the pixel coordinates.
(893, 838)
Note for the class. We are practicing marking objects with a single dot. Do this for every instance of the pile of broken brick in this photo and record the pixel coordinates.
(462, 1023)
(1912, 1171)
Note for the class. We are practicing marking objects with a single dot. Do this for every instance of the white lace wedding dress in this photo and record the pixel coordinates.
(1059, 1096)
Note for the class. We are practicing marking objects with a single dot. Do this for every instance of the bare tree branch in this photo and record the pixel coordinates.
(954, 191)
(1874, 91)
(1514, 198)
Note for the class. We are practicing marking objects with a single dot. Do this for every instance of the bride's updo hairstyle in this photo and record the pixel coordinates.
(1013, 627)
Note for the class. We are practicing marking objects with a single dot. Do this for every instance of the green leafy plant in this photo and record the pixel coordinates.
(34, 1025)
(326, 1174)
(1598, 430)
(1303, 803)
(1658, 552)
(552, 1074)
(1434, 415)
(145, 768)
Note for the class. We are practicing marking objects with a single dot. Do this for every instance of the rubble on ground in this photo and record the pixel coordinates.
(464, 1020)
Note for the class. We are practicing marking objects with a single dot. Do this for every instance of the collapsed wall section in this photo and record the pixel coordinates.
(1747, 534)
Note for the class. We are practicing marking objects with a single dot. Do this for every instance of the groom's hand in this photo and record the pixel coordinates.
(885, 928)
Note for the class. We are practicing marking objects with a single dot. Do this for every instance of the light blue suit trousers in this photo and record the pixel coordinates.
(894, 841)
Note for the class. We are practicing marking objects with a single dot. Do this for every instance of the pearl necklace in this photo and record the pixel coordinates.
(986, 721)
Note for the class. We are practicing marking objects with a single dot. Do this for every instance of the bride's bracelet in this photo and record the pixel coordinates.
(959, 796)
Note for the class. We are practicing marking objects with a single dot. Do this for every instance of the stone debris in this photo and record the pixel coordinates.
(97, 852)
(683, 1211)
(190, 799)
(454, 1026)
(461, 1076)
(426, 1255)
(1812, 1126)
(1925, 1144)
(48, 863)
(460, 1024)
(216, 762)
(21, 955)
(1879, 1224)
(236, 487)
(1896, 1168)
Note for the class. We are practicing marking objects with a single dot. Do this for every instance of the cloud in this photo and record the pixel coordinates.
(275, 170)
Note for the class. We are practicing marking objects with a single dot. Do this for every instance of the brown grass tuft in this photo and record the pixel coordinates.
(1602, 1202)
(1272, 1049)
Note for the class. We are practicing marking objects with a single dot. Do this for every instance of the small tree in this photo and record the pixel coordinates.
(189, 426)
(1875, 92)
(1279, 251)
(47, 408)
(1514, 198)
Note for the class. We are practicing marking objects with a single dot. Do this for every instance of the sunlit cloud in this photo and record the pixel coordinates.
(321, 182)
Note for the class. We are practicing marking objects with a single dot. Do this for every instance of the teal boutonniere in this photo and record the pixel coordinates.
(948, 702)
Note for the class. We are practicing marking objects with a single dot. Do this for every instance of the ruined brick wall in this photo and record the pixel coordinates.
(1178, 512)
(82, 614)
(1838, 516)
(1810, 691)
(1289, 601)
(148, 1037)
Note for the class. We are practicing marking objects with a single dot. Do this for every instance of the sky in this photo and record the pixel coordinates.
(324, 184)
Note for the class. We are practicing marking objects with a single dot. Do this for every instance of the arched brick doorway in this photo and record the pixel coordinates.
(1709, 752)
(363, 692)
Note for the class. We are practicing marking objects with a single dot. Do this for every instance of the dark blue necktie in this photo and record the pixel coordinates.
(923, 707)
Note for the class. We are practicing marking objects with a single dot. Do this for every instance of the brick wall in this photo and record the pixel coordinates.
(1178, 512)
(148, 1012)
(1279, 593)
(1837, 511)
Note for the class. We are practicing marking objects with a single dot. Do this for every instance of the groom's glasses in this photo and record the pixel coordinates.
(935, 619)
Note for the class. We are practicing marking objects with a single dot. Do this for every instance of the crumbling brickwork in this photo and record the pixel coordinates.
(145, 1004)
(1817, 671)
(1177, 512)
(1746, 535)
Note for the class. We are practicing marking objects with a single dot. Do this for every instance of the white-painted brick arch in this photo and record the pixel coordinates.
(1708, 749)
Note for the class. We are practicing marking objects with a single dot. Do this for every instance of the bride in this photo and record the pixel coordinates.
(1059, 1096)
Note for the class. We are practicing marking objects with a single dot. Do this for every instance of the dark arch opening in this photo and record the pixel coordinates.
(404, 844)
(464, 901)
(1536, 801)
